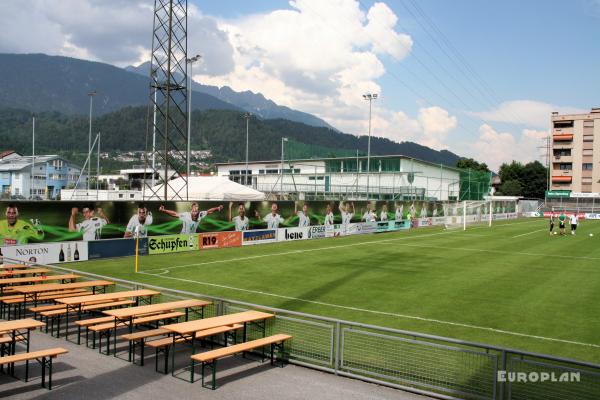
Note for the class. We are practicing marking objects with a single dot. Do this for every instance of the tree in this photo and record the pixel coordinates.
(527, 180)
(469, 163)
(511, 188)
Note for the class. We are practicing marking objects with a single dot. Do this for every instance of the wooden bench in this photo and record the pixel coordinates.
(105, 329)
(164, 345)
(18, 300)
(44, 357)
(56, 314)
(141, 337)
(211, 357)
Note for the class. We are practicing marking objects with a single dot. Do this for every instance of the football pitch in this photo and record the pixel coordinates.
(511, 285)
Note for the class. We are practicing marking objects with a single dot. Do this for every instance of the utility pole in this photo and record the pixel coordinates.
(247, 117)
(191, 62)
(283, 140)
(32, 160)
(369, 97)
(91, 94)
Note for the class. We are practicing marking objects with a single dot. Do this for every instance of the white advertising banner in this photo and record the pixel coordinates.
(592, 216)
(48, 253)
(317, 232)
(579, 195)
(287, 234)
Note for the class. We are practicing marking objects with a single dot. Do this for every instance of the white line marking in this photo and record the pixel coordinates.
(381, 312)
(166, 271)
(528, 233)
(378, 242)
(299, 251)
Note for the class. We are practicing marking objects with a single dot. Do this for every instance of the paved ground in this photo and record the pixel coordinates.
(85, 374)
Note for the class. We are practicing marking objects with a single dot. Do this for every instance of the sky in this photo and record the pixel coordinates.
(477, 78)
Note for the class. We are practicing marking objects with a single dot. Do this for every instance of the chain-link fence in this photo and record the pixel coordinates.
(430, 365)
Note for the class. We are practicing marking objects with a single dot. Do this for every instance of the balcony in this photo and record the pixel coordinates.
(563, 137)
(563, 159)
(562, 178)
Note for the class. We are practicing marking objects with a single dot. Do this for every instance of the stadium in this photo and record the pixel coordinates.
(155, 246)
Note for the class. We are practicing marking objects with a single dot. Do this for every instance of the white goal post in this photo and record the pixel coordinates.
(481, 212)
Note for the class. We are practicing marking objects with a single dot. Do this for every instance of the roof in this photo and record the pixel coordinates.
(342, 158)
(6, 153)
(22, 162)
(216, 188)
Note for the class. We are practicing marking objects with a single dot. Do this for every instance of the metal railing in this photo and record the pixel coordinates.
(426, 364)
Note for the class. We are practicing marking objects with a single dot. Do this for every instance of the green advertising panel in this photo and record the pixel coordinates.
(172, 244)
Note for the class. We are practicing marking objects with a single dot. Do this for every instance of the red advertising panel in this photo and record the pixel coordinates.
(217, 240)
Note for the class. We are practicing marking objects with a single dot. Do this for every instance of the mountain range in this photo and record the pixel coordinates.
(56, 88)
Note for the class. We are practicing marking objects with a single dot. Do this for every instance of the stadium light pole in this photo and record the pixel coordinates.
(190, 62)
(283, 140)
(91, 94)
(247, 117)
(369, 97)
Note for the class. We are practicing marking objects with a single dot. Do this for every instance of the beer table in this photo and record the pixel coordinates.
(27, 271)
(187, 330)
(13, 266)
(76, 303)
(35, 279)
(128, 314)
(32, 292)
(13, 328)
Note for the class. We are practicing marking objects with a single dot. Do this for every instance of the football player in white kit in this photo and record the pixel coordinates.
(91, 226)
(303, 218)
(138, 223)
(190, 220)
(272, 219)
(241, 221)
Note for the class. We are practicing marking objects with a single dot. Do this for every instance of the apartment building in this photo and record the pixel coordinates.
(575, 156)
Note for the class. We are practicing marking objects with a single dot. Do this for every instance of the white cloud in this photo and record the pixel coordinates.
(318, 57)
(526, 112)
(495, 148)
(436, 123)
(118, 32)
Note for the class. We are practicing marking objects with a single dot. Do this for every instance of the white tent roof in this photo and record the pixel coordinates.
(205, 188)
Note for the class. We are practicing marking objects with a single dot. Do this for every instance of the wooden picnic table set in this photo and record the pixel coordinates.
(160, 326)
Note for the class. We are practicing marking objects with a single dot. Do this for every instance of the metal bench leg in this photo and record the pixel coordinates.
(142, 352)
(43, 372)
(167, 360)
(50, 373)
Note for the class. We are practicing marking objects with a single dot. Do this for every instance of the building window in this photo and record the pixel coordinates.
(588, 152)
(261, 171)
(5, 175)
(120, 195)
(588, 123)
(562, 152)
(272, 171)
(586, 180)
(563, 124)
(588, 166)
(565, 167)
(588, 138)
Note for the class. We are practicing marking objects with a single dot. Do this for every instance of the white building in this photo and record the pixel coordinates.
(389, 177)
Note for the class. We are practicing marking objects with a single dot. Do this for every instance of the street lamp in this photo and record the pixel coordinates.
(191, 62)
(369, 97)
(247, 116)
(283, 140)
(91, 94)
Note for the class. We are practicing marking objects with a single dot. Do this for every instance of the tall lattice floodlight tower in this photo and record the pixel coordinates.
(167, 145)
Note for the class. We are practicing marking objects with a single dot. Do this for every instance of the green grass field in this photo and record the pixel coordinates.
(510, 285)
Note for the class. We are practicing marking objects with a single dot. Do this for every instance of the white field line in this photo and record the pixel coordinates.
(299, 251)
(379, 242)
(507, 253)
(437, 321)
(529, 233)
(502, 225)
